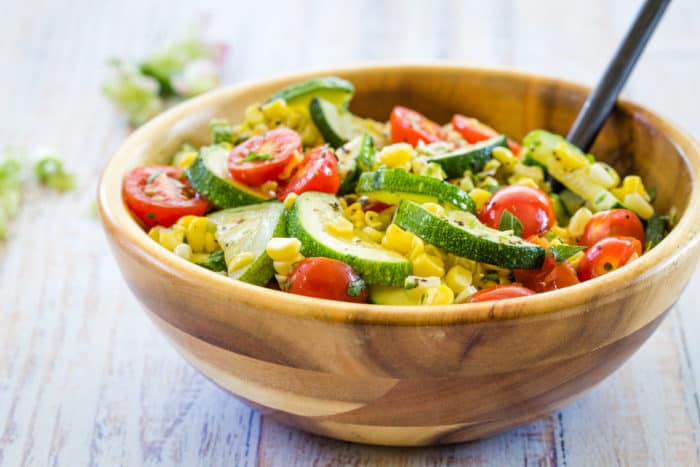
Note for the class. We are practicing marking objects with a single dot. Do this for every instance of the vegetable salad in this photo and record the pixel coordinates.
(307, 197)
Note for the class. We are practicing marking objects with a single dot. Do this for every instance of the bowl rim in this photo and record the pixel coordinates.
(119, 223)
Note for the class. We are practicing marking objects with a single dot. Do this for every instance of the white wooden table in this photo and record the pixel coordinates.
(85, 379)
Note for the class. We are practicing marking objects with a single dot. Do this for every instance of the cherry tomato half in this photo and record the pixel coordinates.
(409, 126)
(161, 194)
(500, 292)
(550, 276)
(262, 158)
(607, 255)
(318, 172)
(612, 223)
(531, 206)
(327, 278)
(473, 131)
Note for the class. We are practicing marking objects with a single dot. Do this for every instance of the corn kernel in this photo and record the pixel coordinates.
(434, 208)
(428, 265)
(210, 243)
(465, 294)
(241, 260)
(636, 203)
(283, 248)
(441, 295)
(373, 234)
(341, 227)
(504, 156)
(281, 280)
(578, 222)
(527, 181)
(575, 260)
(466, 183)
(187, 160)
(531, 171)
(293, 163)
(171, 238)
(282, 267)
(480, 197)
(356, 214)
(490, 168)
(154, 233)
(631, 184)
(183, 250)
(290, 199)
(185, 220)
(569, 159)
(458, 278)
(417, 247)
(397, 239)
(397, 155)
(561, 233)
(488, 181)
(253, 115)
(196, 232)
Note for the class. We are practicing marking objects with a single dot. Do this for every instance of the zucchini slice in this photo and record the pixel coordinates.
(354, 157)
(307, 221)
(472, 158)
(335, 125)
(571, 167)
(392, 185)
(462, 234)
(330, 88)
(246, 231)
(209, 177)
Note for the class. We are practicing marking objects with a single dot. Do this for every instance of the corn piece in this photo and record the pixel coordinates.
(154, 233)
(183, 250)
(171, 238)
(578, 221)
(397, 239)
(480, 197)
(283, 248)
(466, 183)
(527, 181)
(427, 265)
(210, 243)
(441, 295)
(196, 232)
(397, 155)
(637, 204)
(185, 220)
(504, 156)
(458, 278)
(373, 234)
(241, 260)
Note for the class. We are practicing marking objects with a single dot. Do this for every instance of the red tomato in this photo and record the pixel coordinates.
(612, 223)
(409, 126)
(500, 292)
(318, 172)
(263, 157)
(161, 194)
(473, 131)
(531, 206)
(550, 276)
(607, 255)
(327, 278)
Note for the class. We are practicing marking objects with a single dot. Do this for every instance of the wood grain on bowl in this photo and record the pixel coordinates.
(416, 375)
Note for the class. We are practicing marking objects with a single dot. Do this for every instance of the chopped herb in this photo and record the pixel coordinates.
(561, 253)
(493, 277)
(356, 287)
(214, 262)
(510, 222)
(151, 178)
(50, 172)
(652, 195)
(251, 157)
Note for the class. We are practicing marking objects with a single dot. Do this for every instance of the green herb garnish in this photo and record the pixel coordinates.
(49, 171)
(561, 253)
(252, 157)
(356, 287)
(510, 222)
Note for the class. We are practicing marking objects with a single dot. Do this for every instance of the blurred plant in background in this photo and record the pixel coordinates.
(185, 69)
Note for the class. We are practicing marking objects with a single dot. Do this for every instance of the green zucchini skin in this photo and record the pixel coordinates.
(400, 182)
(326, 85)
(261, 270)
(328, 119)
(374, 271)
(357, 163)
(221, 190)
(471, 158)
(480, 244)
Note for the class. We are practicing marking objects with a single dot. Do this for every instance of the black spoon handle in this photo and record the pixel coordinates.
(600, 102)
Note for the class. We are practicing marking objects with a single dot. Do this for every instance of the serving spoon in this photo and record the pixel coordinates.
(600, 102)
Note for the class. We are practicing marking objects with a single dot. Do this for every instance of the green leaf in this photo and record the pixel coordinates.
(50, 172)
(561, 253)
(252, 157)
(356, 287)
(510, 222)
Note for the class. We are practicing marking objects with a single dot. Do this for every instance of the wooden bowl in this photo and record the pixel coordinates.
(415, 375)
